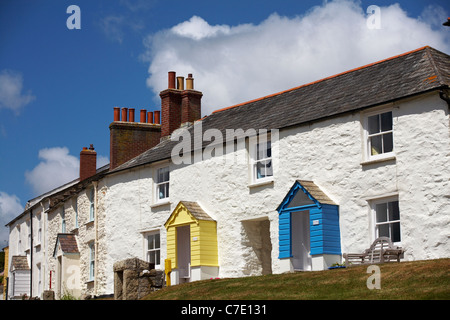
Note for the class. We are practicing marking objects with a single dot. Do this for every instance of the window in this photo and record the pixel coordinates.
(39, 218)
(63, 221)
(379, 131)
(39, 276)
(75, 208)
(262, 161)
(153, 249)
(162, 184)
(387, 220)
(29, 234)
(91, 206)
(91, 261)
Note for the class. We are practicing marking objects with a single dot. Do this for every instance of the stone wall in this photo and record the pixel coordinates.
(135, 278)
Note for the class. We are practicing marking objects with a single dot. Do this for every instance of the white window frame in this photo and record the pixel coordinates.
(28, 223)
(63, 220)
(254, 143)
(91, 204)
(160, 184)
(39, 280)
(19, 240)
(75, 208)
(150, 251)
(39, 235)
(91, 260)
(368, 156)
(376, 224)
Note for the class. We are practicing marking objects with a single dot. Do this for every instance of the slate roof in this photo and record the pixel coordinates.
(316, 192)
(19, 263)
(310, 188)
(197, 211)
(67, 242)
(408, 74)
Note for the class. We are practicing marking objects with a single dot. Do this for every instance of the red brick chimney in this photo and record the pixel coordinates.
(129, 139)
(88, 162)
(179, 105)
(191, 109)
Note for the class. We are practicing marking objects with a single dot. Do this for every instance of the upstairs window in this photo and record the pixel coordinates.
(39, 235)
(162, 184)
(63, 221)
(75, 208)
(261, 161)
(379, 131)
(91, 205)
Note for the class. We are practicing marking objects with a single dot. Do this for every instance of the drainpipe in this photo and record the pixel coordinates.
(95, 183)
(444, 96)
(31, 253)
(44, 251)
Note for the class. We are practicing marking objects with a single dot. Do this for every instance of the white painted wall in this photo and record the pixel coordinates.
(328, 152)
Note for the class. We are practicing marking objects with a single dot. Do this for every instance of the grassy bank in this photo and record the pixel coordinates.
(406, 280)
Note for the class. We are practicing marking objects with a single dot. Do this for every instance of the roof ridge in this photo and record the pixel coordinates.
(323, 79)
(433, 63)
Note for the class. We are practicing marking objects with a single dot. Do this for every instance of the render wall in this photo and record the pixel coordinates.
(328, 152)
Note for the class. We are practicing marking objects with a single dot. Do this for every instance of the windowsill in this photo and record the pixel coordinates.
(261, 182)
(91, 222)
(378, 160)
(161, 203)
(90, 281)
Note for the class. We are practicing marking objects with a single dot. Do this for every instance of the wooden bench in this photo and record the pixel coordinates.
(382, 250)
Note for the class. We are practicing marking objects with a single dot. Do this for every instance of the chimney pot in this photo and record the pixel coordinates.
(124, 114)
(189, 82)
(149, 117)
(143, 115)
(180, 83)
(157, 117)
(131, 115)
(116, 114)
(171, 80)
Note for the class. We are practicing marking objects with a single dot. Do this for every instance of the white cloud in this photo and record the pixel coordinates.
(233, 64)
(11, 95)
(56, 168)
(10, 207)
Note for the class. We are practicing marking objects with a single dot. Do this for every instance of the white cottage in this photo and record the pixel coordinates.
(286, 182)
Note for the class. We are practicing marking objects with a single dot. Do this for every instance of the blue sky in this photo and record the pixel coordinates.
(58, 86)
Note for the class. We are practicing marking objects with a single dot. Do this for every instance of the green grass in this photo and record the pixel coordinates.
(419, 280)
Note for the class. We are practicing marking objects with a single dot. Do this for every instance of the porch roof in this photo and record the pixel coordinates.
(67, 243)
(19, 263)
(310, 189)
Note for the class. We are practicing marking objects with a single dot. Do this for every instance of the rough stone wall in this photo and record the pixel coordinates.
(53, 227)
(135, 278)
